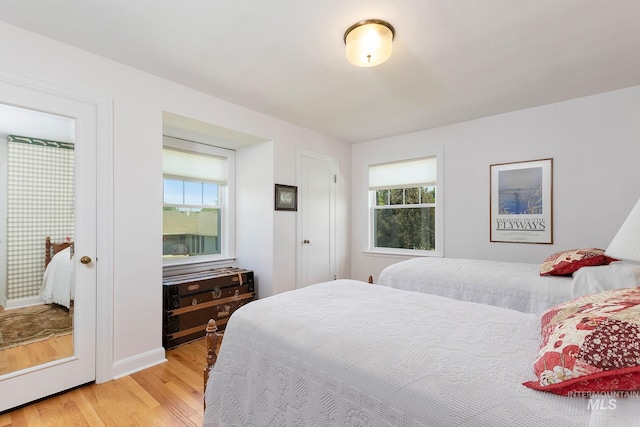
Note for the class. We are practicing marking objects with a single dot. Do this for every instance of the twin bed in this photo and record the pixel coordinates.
(58, 279)
(517, 286)
(348, 353)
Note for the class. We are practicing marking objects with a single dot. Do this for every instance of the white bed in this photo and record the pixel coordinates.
(517, 286)
(58, 282)
(345, 353)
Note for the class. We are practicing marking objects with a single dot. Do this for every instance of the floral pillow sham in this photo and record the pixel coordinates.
(591, 344)
(566, 262)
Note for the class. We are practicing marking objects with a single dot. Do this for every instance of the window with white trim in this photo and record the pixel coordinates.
(197, 203)
(403, 207)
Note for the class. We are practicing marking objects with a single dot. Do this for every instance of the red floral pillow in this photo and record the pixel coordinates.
(566, 262)
(591, 344)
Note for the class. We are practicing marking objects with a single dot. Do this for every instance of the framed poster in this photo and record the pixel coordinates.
(521, 202)
(286, 198)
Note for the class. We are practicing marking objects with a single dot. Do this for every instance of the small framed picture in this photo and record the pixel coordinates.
(521, 202)
(286, 198)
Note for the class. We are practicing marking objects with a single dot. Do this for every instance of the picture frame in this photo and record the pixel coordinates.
(521, 202)
(286, 198)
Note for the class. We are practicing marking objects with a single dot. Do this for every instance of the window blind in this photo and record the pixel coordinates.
(403, 174)
(194, 166)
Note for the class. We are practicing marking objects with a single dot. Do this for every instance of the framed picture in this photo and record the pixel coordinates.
(286, 198)
(521, 202)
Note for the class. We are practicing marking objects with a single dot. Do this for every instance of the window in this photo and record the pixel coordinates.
(197, 203)
(403, 207)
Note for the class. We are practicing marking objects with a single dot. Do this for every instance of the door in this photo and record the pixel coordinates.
(79, 366)
(318, 176)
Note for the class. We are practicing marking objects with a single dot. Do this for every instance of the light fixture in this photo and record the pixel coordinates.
(626, 243)
(369, 42)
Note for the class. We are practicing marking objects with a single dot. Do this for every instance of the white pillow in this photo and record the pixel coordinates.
(593, 279)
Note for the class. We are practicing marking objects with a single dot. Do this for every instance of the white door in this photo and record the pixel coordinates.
(317, 218)
(41, 380)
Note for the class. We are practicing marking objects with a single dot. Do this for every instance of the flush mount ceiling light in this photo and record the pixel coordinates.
(369, 42)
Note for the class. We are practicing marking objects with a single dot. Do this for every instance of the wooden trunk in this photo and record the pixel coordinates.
(190, 300)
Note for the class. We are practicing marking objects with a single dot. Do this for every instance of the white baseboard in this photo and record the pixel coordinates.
(23, 302)
(128, 366)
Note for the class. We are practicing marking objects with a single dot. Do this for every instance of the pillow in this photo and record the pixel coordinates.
(566, 262)
(605, 277)
(590, 344)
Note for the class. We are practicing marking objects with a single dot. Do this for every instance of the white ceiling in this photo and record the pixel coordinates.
(453, 60)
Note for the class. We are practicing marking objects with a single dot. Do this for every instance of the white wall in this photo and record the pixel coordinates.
(285, 242)
(254, 214)
(138, 102)
(595, 146)
(258, 168)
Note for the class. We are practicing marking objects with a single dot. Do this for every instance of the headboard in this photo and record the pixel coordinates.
(53, 248)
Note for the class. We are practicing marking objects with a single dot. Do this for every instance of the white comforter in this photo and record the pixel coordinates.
(517, 286)
(346, 353)
(58, 280)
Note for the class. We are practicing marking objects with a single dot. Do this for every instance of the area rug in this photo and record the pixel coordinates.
(31, 324)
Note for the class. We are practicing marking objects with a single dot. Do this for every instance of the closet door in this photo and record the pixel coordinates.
(317, 250)
(76, 361)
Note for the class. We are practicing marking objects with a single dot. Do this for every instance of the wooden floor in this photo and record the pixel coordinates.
(37, 353)
(169, 394)
(32, 354)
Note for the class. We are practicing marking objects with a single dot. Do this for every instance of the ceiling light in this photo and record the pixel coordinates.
(369, 42)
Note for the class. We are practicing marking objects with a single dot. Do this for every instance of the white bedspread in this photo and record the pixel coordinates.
(59, 279)
(346, 353)
(517, 286)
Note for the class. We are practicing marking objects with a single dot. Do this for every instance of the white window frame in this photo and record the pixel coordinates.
(438, 205)
(227, 194)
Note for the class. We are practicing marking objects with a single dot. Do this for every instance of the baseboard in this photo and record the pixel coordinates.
(23, 302)
(128, 366)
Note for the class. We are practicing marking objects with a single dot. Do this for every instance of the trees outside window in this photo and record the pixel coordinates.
(404, 218)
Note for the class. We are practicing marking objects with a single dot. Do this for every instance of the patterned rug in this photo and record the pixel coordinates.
(31, 324)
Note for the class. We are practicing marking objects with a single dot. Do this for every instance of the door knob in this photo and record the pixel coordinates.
(306, 242)
(85, 259)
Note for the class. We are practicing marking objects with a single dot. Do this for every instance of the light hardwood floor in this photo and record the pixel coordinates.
(169, 394)
(37, 353)
(26, 355)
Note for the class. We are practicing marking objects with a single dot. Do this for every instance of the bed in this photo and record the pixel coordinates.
(345, 353)
(58, 281)
(517, 286)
